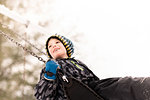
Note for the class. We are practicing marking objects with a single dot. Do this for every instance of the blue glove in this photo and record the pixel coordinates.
(51, 68)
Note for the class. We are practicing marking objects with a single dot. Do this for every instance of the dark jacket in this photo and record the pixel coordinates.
(53, 90)
(126, 88)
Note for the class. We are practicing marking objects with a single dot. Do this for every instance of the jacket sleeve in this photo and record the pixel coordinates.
(47, 90)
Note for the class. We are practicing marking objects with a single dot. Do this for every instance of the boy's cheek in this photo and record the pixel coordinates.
(50, 51)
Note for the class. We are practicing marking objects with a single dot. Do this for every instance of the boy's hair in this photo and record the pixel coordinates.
(66, 42)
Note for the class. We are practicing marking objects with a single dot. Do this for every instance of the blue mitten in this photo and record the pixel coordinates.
(51, 68)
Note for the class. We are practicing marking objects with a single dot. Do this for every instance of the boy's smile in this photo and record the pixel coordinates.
(57, 49)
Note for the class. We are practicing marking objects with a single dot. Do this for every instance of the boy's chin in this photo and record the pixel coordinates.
(59, 56)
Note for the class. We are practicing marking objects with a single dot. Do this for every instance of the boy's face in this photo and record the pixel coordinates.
(56, 49)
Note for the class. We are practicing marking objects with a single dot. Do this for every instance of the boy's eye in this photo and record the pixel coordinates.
(49, 46)
(57, 42)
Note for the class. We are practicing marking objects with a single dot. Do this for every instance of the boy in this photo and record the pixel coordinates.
(50, 86)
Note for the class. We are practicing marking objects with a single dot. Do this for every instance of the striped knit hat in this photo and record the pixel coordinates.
(66, 42)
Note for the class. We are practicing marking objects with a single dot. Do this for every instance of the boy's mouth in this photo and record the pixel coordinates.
(56, 49)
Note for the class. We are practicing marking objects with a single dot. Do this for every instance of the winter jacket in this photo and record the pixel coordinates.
(53, 90)
(127, 88)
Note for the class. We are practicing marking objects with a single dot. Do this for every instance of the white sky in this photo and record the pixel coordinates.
(115, 38)
(116, 31)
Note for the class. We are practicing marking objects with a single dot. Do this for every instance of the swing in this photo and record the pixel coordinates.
(75, 89)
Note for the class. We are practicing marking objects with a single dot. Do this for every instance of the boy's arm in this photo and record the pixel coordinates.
(45, 88)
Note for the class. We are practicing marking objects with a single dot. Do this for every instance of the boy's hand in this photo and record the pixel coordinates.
(51, 68)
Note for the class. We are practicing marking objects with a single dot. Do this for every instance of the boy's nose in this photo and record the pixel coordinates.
(54, 45)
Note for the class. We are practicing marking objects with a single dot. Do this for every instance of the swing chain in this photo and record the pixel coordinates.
(5, 26)
(19, 45)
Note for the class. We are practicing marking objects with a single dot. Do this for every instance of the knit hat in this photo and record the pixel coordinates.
(66, 42)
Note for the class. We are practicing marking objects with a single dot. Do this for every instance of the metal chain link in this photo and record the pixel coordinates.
(5, 26)
(19, 45)
(31, 44)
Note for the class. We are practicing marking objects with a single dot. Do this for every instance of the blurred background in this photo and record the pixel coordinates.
(112, 37)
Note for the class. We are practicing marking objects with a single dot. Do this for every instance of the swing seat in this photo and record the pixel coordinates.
(76, 90)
